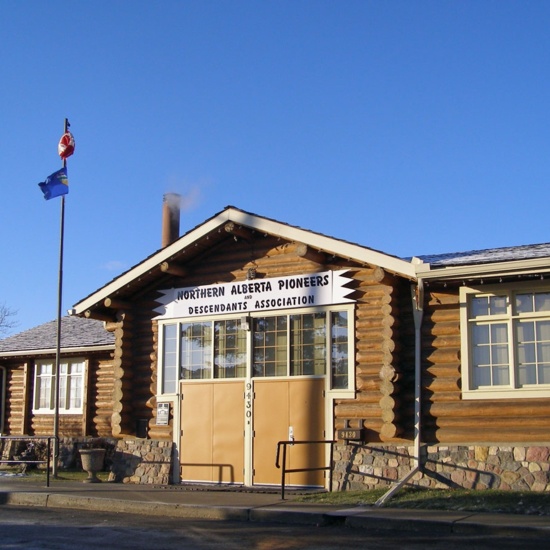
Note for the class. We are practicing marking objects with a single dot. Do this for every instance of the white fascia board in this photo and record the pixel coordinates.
(64, 351)
(516, 267)
(326, 244)
(315, 240)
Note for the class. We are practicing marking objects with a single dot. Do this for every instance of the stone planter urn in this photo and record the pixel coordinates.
(92, 462)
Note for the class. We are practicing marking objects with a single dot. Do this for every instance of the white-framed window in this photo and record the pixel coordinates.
(71, 384)
(505, 334)
(264, 344)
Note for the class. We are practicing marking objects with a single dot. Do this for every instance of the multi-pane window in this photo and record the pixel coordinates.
(508, 341)
(308, 344)
(293, 344)
(270, 346)
(71, 383)
(170, 358)
(339, 341)
(229, 349)
(196, 350)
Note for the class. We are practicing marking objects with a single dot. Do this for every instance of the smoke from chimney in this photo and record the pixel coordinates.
(170, 218)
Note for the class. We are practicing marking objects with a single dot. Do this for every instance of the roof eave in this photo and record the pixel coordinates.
(63, 351)
(496, 269)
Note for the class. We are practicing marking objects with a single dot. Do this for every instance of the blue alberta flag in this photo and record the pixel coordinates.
(56, 184)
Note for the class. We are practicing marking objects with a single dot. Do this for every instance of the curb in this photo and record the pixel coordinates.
(439, 522)
(53, 500)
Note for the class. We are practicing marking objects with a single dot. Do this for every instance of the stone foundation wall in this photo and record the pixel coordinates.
(505, 467)
(142, 461)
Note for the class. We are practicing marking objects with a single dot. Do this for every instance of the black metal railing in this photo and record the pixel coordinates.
(29, 458)
(285, 470)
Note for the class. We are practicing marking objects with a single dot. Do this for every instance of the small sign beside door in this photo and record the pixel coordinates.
(163, 414)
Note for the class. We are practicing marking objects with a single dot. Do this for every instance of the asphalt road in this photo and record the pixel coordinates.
(44, 528)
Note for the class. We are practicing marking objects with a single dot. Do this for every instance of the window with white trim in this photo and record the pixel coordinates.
(293, 343)
(505, 342)
(71, 384)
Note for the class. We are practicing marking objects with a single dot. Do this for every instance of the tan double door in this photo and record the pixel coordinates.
(230, 430)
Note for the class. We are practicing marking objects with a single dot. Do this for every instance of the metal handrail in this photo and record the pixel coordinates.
(285, 470)
(48, 461)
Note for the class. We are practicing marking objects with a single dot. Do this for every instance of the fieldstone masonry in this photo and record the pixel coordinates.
(518, 468)
(142, 461)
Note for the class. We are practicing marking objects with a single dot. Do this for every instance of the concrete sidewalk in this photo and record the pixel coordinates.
(241, 504)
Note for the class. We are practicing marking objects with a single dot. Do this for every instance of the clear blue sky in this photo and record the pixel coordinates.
(409, 127)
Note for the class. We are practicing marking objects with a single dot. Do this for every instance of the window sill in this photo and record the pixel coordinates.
(506, 394)
(46, 412)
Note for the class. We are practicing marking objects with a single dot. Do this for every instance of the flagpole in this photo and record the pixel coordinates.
(59, 307)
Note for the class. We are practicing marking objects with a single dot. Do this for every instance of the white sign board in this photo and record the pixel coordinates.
(315, 289)
(163, 414)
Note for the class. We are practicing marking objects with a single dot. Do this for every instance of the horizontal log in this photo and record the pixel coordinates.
(435, 298)
(115, 303)
(162, 433)
(370, 370)
(374, 275)
(351, 423)
(104, 385)
(440, 384)
(376, 300)
(471, 435)
(448, 397)
(440, 329)
(386, 344)
(444, 341)
(444, 370)
(374, 356)
(366, 384)
(357, 410)
(306, 252)
(442, 315)
(371, 427)
(368, 332)
(173, 269)
(238, 231)
(490, 423)
(530, 408)
(441, 355)
(375, 316)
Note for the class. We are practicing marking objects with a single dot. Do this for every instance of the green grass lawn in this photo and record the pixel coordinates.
(443, 499)
(39, 475)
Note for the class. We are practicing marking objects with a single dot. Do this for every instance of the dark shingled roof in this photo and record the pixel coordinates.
(490, 255)
(76, 332)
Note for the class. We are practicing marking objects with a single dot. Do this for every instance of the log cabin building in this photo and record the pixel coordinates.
(27, 394)
(246, 331)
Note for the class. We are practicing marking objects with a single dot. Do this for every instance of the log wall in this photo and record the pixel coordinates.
(98, 399)
(384, 350)
(123, 374)
(447, 418)
(16, 414)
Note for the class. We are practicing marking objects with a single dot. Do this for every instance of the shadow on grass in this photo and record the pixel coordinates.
(491, 501)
